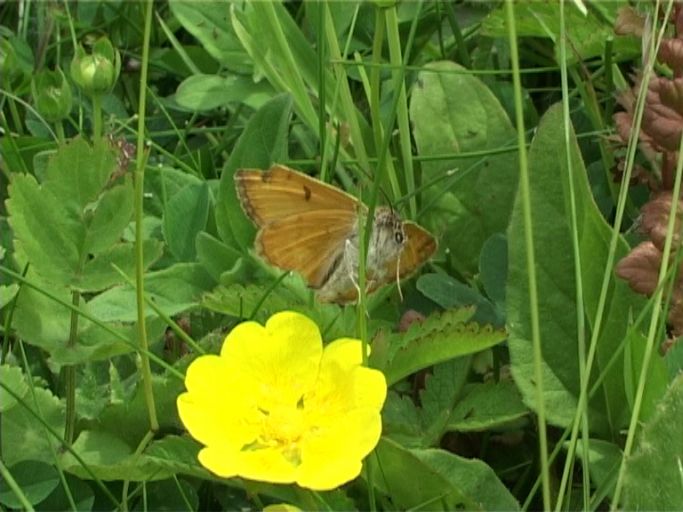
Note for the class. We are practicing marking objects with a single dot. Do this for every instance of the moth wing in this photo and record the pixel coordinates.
(420, 246)
(280, 192)
(310, 243)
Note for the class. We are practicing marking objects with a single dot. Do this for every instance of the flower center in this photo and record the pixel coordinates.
(283, 425)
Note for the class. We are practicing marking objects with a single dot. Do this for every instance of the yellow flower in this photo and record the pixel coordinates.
(277, 407)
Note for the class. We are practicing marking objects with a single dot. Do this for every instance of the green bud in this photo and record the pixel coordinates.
(96, 72)
(51, 94)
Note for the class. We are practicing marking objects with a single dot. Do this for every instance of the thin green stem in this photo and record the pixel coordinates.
(70, 374)
(139, 241)
(50, 443)
(14, 112)
(96, 117)
(148, 437)
(578, 279)
(525, 195)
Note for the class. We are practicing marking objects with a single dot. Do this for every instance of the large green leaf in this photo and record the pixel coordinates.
(24, 436)
(109, 458)
(557, 288)
(654, 478)
(68, 225)
(36, 479)
(453, 112)
(488, 405)
(206, 92)
(185, 217)
(434, 479)
(46, 323)
(439, 338)
(173, 289)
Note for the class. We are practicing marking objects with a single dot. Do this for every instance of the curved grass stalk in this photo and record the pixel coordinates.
(578, 279)
(525, 193)
(141, 160)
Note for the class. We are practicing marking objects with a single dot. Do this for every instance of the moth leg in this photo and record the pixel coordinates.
(351, 259)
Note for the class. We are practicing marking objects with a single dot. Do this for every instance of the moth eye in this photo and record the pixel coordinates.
(398, 236)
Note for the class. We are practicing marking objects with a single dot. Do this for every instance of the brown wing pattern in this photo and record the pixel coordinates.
(279, 192)
(420, 247)
(309, 242)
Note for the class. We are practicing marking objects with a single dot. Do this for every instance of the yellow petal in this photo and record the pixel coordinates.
(331, 456)
(214, 410)
(344, 351)
(281, 507)
(340, 388)
(220, 460)
(278, 362)
(266, 465)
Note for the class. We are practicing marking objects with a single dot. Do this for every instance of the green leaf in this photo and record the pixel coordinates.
(23, 434)
(185, 217)
(210, 23)
(128, 420)
(69, 219)
(36, 480)
(493, 267)
(288, 62)
(7, 293)
(82, 494)
(657, 376)
(45, 323)
(439, 338)
(401, 421)
(12, 378)
(47, 232)
(262, 143)
(477, 200)
(654, 478)
(177, 454)
(207, 92)
(486, 406)
(241, 302)
(440, 395)
(604, 459)
(109, 458)
(449, 293)
(100, 272)
(114, 212)
(215, 256)
(608, 411)
(174, 289)
(586, 34)
(169, 495)
(434, 479)
(77, 172)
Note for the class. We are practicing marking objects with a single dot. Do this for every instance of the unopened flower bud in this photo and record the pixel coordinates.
(51, 94)
(96, 72)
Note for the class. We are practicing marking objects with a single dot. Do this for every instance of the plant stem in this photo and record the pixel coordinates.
(139, 204)
(96, 117)
(70, 375)
(525, 195)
